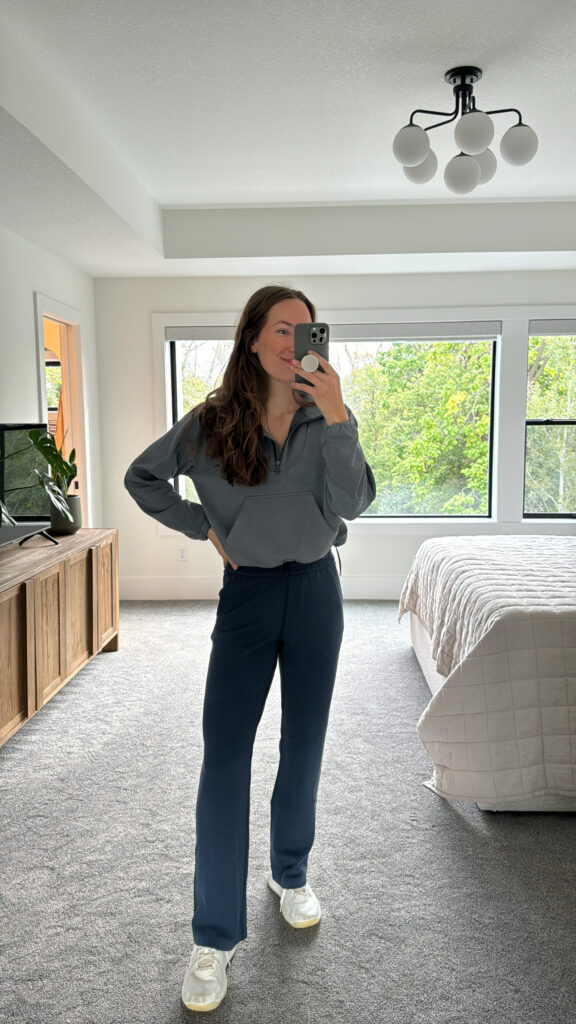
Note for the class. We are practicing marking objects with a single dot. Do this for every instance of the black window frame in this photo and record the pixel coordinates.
(543, 423)
(52, 362)
(460, 515)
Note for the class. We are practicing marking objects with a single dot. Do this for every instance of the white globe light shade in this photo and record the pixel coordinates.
(462, 174)
(411, 145)
(474, 132)
(424, 171)
(487, 164)
(519, 144)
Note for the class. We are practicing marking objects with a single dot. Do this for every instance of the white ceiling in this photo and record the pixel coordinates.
(124, 108)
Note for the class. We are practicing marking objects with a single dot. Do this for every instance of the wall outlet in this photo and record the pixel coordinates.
(182, 553)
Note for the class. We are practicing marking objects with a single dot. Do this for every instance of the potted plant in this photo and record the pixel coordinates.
(66, 519)
(50, 486)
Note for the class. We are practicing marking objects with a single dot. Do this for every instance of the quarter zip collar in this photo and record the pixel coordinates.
(302, 414)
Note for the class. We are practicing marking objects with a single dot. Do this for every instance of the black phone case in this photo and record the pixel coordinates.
(314, 336)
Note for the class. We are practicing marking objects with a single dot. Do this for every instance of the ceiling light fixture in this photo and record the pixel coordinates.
(475, 164)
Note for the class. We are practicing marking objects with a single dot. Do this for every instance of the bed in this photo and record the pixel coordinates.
(493, 625)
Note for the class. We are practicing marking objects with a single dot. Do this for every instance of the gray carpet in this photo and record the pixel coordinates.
(434, 913)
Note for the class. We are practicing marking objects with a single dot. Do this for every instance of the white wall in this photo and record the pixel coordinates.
(24, 270)
(115, 316)
(374, 561)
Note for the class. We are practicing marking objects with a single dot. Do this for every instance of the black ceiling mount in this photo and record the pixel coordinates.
(463, 79)
(463, 76)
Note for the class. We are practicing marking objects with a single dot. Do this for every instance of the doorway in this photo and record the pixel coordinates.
(62, 394)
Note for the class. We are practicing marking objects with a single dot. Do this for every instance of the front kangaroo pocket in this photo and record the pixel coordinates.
(275, 528)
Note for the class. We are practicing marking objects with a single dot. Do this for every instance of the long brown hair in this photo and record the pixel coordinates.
(231, 416)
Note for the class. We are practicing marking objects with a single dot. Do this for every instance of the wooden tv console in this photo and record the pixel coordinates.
(58, 608)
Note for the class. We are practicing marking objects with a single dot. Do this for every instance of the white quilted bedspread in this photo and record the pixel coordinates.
(501, 614)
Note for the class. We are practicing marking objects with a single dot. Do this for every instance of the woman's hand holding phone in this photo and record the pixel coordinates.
(323, 383)
(325, 389)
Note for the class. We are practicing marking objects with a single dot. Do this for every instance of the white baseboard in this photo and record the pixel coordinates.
(207, 588)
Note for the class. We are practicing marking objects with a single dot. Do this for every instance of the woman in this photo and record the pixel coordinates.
(274, 472)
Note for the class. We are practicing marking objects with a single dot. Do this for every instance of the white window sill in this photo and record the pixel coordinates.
(449, 526)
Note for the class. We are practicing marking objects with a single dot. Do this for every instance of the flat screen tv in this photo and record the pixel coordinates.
(31, 507)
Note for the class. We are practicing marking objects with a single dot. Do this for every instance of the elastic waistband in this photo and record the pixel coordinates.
(287, 568)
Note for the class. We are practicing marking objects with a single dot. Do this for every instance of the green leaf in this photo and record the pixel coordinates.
(63, 471)
(54, 493)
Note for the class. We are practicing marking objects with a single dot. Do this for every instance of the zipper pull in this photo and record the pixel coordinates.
(276, 459)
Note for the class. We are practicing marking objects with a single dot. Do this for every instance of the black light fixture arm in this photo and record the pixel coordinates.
(462, 80)
(507, 110)
(454, 115)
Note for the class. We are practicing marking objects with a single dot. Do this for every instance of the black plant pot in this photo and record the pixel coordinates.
(59, 524)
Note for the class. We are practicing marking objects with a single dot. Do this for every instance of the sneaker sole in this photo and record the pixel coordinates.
(204, 1007)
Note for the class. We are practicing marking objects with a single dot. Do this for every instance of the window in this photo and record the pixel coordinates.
(422, 395)
(424, 419)
(62, 392)
(197, 366)
(550, 464)
(53, 384)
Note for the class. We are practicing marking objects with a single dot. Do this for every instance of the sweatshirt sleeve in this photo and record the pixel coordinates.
(147, 480)
(350, 483)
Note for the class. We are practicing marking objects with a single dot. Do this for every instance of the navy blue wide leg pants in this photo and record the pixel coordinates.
(294, 613)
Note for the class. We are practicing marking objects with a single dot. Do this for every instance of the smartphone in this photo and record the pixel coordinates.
(306, 337)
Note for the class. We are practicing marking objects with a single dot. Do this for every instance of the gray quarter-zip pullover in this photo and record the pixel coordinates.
(319, 476)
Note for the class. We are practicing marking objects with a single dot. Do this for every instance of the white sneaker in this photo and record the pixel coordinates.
(205, 981)
(299, 907)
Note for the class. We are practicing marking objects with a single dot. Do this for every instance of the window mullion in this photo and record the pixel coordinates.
(509, 422)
